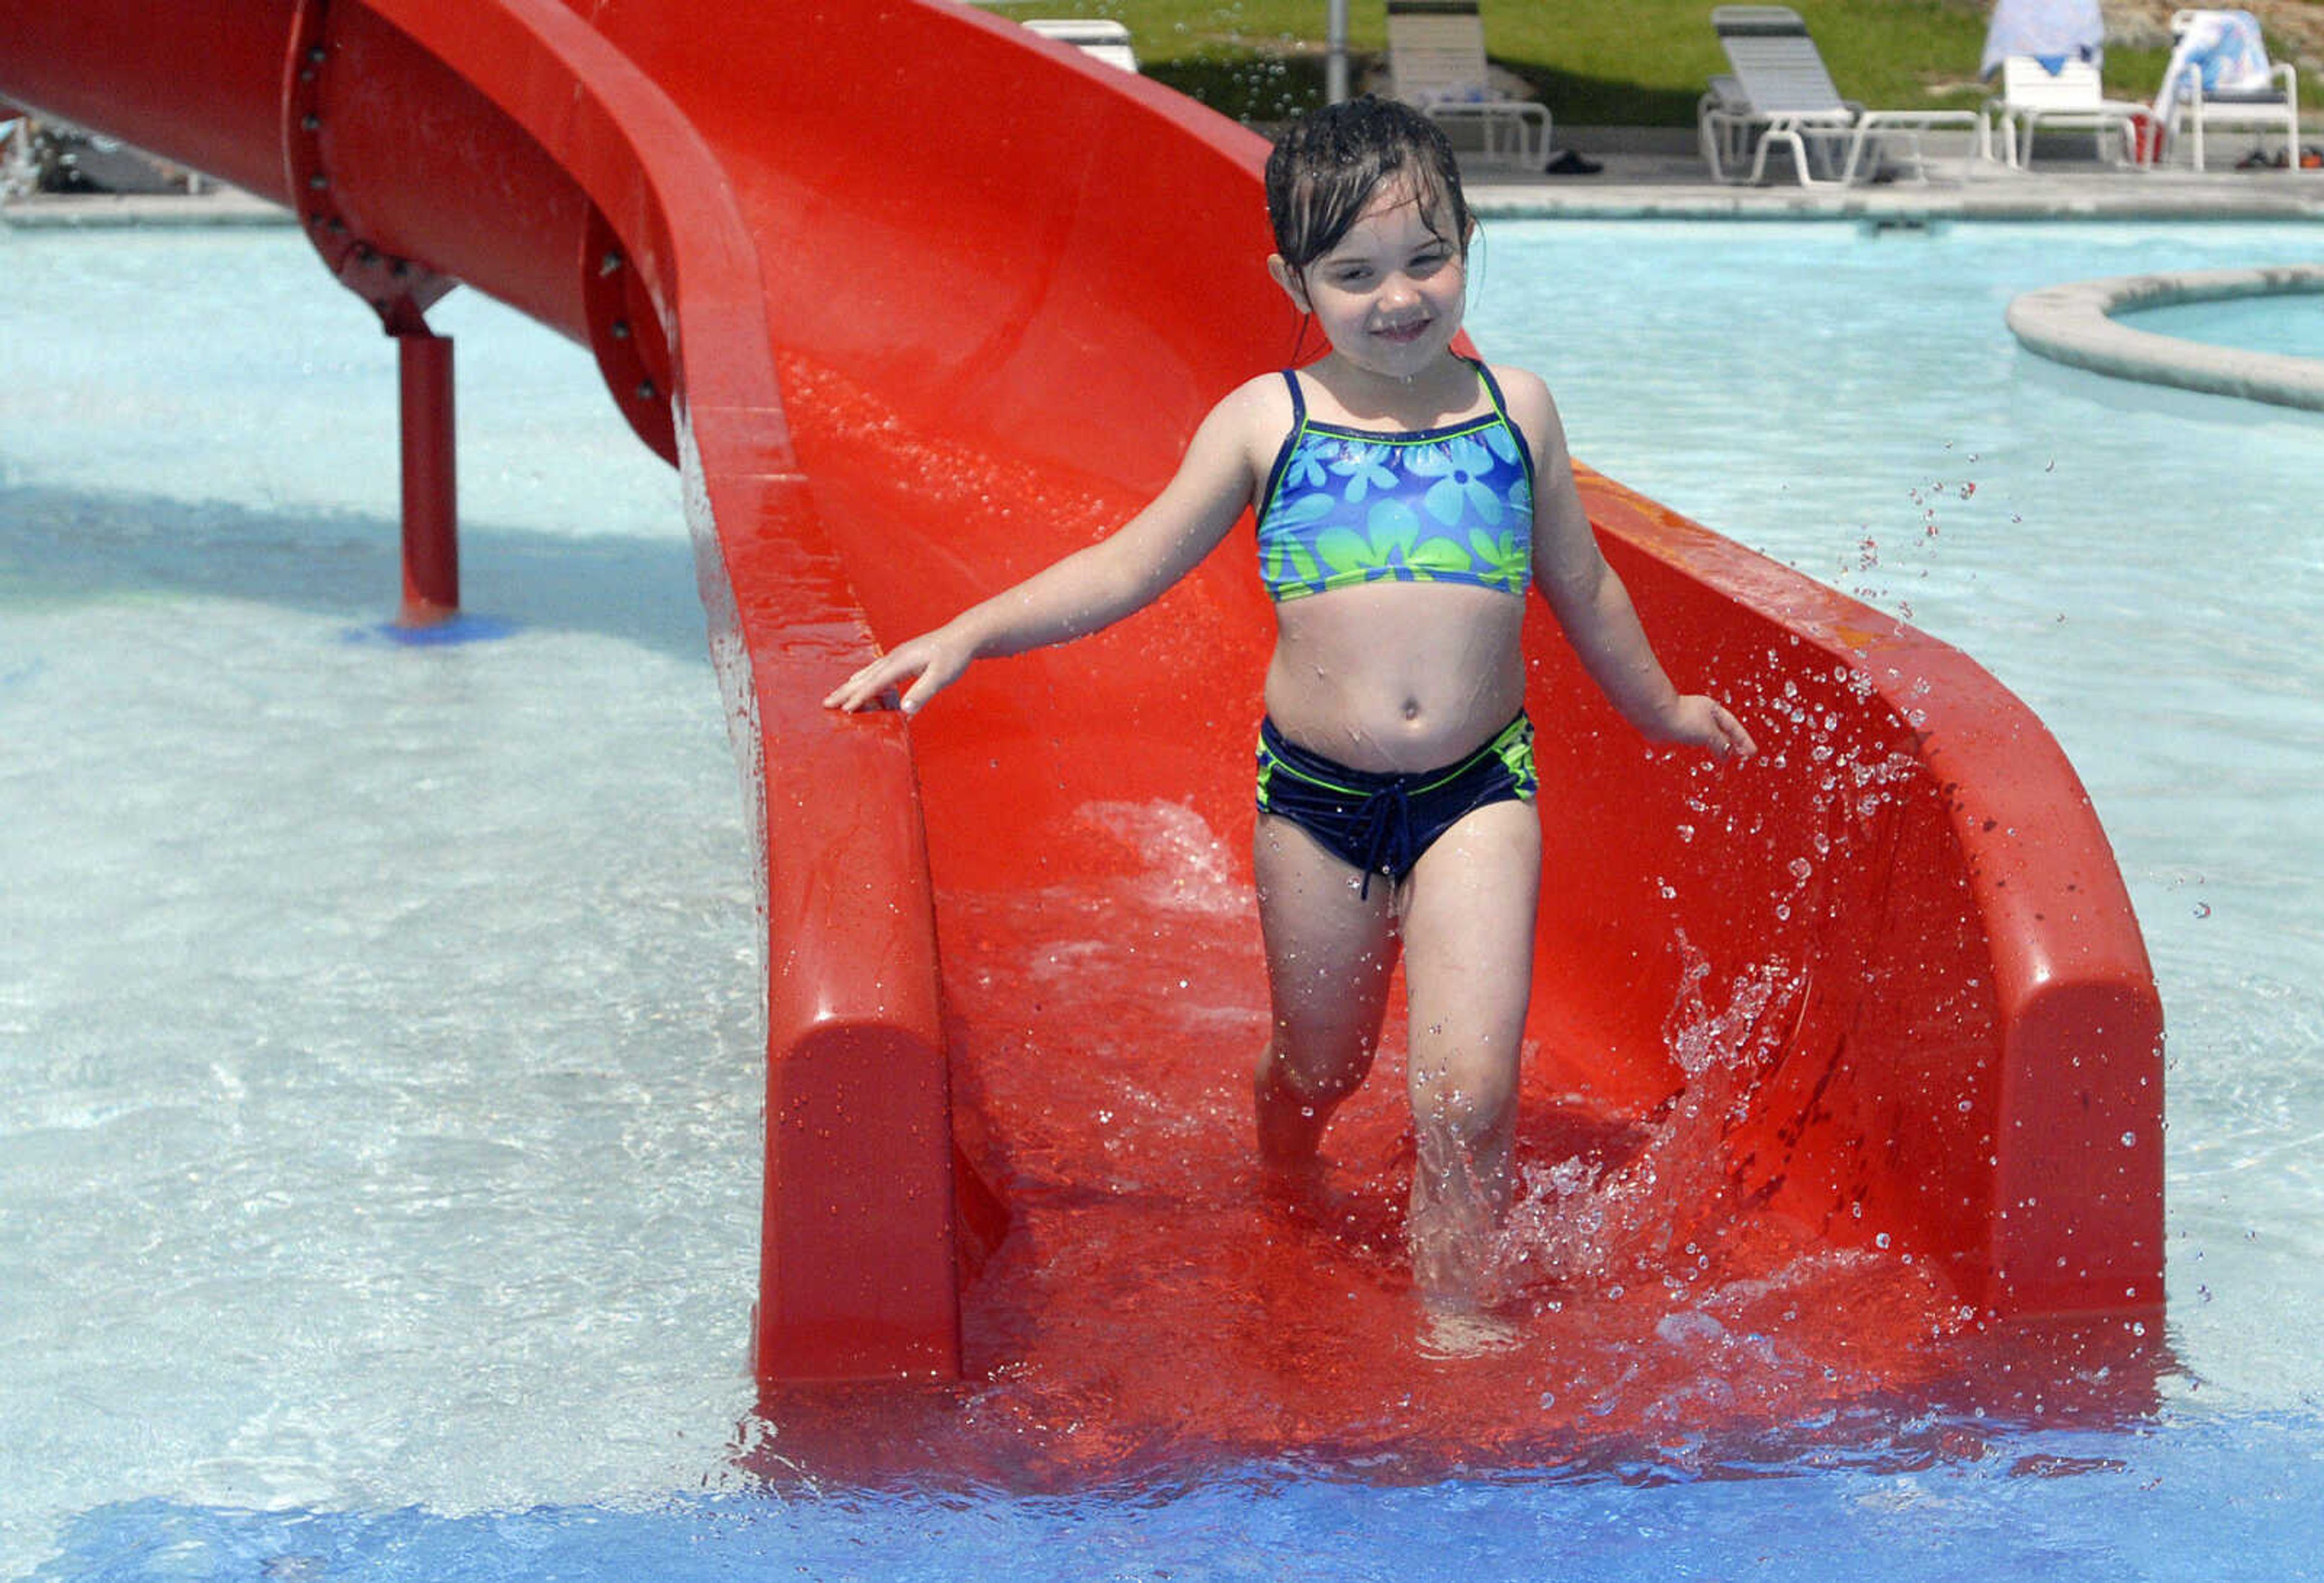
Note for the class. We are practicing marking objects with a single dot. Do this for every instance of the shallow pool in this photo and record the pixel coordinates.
(379, 1132)
(2139, 564)
(2290, 323)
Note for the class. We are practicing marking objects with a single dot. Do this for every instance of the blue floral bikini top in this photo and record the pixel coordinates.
(1344, 506)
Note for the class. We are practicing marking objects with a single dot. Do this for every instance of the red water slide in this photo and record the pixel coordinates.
(917, 302)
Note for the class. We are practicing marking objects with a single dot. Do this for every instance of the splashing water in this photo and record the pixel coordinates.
(1592, 1223)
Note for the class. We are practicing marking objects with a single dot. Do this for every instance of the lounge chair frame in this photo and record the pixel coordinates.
(2265, 110)
(2071, 98)
(1781, 95)
(1436, 61)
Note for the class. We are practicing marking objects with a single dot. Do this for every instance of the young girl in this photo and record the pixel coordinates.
(1405, 496)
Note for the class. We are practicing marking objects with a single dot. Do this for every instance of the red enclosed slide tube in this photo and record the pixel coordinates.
(917, 302)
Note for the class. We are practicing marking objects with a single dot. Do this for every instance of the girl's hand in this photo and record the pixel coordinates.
(1697, 722)
(934, 657)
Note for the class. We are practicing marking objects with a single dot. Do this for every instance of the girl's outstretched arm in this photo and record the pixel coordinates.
(1093, 588)
(1592, 606)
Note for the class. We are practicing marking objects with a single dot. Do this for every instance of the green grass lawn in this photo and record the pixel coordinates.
(1594, 62)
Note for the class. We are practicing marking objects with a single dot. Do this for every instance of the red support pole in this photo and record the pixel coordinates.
(431, 522)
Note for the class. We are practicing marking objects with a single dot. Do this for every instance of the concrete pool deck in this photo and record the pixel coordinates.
(1657, 174)
(98, 211)
(1648, 173)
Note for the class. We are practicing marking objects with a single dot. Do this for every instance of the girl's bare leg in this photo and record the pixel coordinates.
(1329, 954)
(1468, 947)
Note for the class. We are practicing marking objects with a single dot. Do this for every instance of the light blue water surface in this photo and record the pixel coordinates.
(378, 1055)
(2290, 323)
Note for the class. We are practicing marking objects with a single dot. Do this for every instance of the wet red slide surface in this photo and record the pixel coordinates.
(1843, 1066)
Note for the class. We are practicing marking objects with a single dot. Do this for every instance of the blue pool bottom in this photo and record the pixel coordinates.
(2213, 1498)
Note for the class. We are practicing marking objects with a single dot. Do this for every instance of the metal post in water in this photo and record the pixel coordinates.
(431, 521)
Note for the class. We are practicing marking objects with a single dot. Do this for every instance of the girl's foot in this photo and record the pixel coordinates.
(1450, 1334)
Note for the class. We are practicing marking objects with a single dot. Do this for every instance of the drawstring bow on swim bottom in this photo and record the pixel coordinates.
(1385, 835)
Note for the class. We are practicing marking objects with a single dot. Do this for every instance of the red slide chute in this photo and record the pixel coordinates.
(917, 302)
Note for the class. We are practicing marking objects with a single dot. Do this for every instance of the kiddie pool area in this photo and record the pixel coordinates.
(383, 1057)
(381, 1085)
(2250, 333)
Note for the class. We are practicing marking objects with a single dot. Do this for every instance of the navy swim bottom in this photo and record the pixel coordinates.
(1382, 823)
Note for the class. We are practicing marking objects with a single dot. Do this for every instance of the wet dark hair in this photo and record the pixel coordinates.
(1332, 160)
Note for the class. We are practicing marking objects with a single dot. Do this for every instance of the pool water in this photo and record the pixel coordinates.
(379, 1136)
(2290, 323)
(2138, 564)
(343, 1168)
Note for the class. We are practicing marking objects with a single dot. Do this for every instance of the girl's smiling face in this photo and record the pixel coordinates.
(1389, 295)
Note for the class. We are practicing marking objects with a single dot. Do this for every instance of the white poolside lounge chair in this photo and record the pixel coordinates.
(2220, 75)
(1781, 97)
(1436, 61)
(2064, 95)
(1109, 42)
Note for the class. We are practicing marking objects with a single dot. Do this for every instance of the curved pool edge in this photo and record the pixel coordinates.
(2074, 324)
